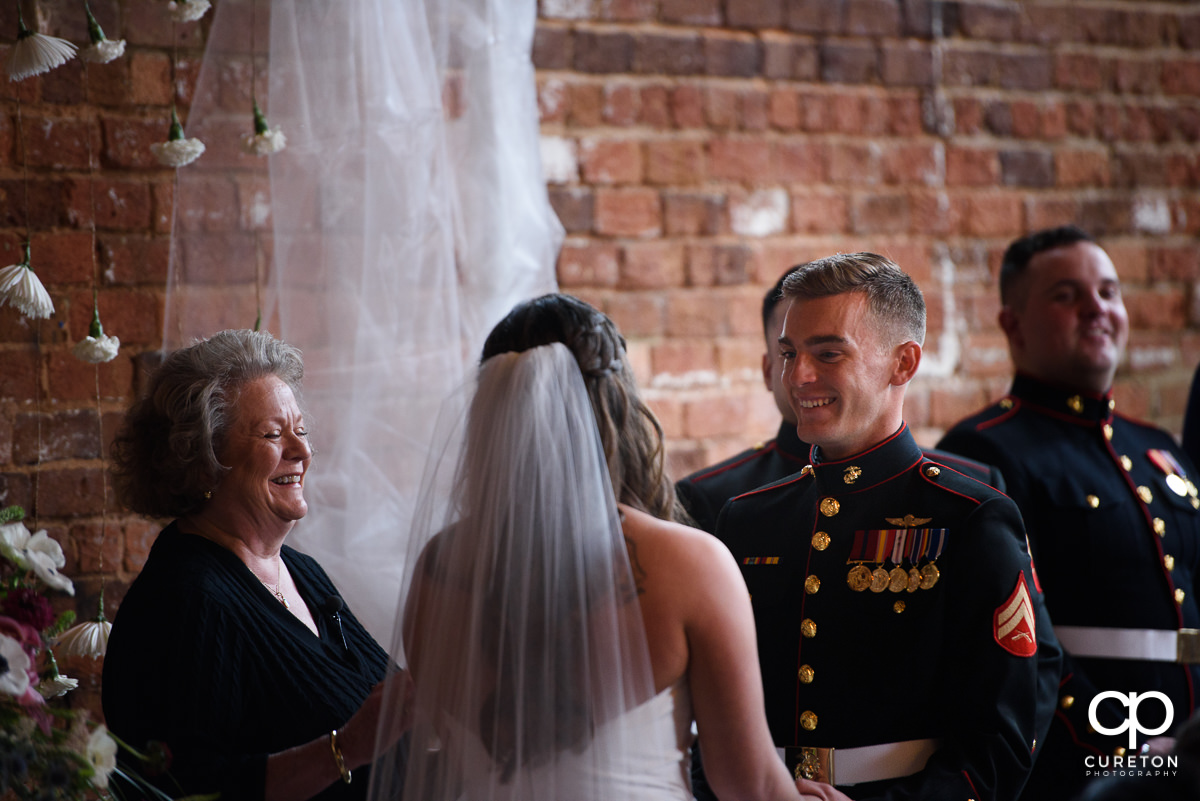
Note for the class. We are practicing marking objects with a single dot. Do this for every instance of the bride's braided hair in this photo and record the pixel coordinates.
(629, 432)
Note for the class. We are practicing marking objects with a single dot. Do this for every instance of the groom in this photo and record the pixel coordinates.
(903, 642)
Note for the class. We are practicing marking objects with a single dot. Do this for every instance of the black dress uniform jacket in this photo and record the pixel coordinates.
(705, 492)
(845, 668)
(1114, 544)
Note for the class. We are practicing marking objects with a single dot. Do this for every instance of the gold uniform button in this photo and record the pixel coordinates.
(1169, 562)
(820, 540)
(898, 607)
(1112, 404)
(1093, 501)
(807, 674)
(806, 470)
(1067, 701)
(1160, 526)
(808, 628)
(1179, 596)
(1108, 431)
(1075, 404)
(808, 720)
(933, 471)
(830, 507)
(1196, 503)
(1126, 462)
(1145, 494)
(1119, 751)
(812, 584)
(1006, 403)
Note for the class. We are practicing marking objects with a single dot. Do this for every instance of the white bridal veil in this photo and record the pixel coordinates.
(406, 215)
(522, 627)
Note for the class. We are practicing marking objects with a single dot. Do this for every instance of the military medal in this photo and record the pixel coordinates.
(898, 579)
(914, 580)
(929, 576)
(1176, 479)
(880, 579)
(859, 578)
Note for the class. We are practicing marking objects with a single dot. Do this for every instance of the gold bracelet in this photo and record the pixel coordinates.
(338, 759)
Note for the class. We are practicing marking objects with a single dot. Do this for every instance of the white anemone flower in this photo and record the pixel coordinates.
(96, 347)
(85, 639)
(188, 10)
(14, 667)
(35, 53)
(101, 753)
(178, 150)
(102, 49)
(20, 287)
(37, 552)
(265, 140)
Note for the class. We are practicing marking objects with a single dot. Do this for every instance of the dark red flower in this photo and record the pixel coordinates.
(29, 607)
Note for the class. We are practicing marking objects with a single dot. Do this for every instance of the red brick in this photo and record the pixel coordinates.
(1158, 309)
(574, 207)
(754, 13)
(587, 105)
(18, 370)
(968, 115)
(787, 58)
(72, 434)
(62, 258)
(849, 114)
(1175, 263)
(149, 24)
(994, 215)
(950, 403)
(1054, 120)
(1081, 117)
(208, 204)
(16, 489)
(638, 314)
(1026, 119)
(854, 164)
(127, 140)
(120, 205)
(997, 23)
(163, 193)
(687, 106)
(819, 213)
(652, 265)
(692, 213)
(656, 106)
(668, 54)
(741, 159)
(675, 161)
(621, 104)
(669, 412)
(880, 213)
(69, 492)
(724, 265)
(72, 380)
(736, 356)
(95, 546)
(849, 62)
(732, 55)
(628, 212)
(904, 115)
(873, 18)
(1131, 259)
(815, 16)
(696, 313)
(783, 109)
(744, 305)
(553, 99)
(603, 51)
(721, 108)
(679, 357)
(133, 315)
(755, 115)
(906, 163)
(691, 12)
(1081, 168)
(60, 143)
(134, 259)
(609, 161)
(583, 262)
(906, 64)
(816, 112)
(1136, 76)
(800, 162)
(1051, 213)
(714, 416)
(969, 166)
(1031, 168)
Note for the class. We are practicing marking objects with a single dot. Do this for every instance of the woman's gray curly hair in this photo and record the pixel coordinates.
(165, 457)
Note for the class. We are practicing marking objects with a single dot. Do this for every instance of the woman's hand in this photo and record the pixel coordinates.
(359, 733)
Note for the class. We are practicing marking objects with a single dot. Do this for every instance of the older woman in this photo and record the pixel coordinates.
(562, 630)
(232, 649)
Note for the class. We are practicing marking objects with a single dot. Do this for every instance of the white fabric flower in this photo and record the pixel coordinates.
(86, 639)
(95, 350)
(35, 53)
(264, 144)
(178, 152)
(20, 287)
(104, 51)
(57, 685)
(14, 667)
(101, 753)
(38, 552)
(188, 10)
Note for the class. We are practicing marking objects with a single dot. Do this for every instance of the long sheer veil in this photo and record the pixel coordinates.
(520, 619)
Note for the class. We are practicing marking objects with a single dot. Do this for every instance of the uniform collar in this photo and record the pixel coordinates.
(790, 444)
(875, 465)
(1082, 407)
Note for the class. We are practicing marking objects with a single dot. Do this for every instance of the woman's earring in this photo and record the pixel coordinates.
(207, 494)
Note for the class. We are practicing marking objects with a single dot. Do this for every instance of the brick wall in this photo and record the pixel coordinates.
(695, 149)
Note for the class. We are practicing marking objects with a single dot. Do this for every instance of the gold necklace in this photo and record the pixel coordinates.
(275, 589)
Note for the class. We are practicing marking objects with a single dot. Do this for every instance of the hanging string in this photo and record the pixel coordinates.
(175, 189)
(258, 254)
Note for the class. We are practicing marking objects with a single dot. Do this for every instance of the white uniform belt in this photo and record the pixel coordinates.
(870, 763)
(1151, 645)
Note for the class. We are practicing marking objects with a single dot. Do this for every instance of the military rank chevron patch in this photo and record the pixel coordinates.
(1014, 627)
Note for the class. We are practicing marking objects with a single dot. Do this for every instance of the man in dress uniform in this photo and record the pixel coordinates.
(903, 643)
(1110, 505)
(704, 492)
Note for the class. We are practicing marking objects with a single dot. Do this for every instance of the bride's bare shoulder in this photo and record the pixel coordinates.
(669, 538)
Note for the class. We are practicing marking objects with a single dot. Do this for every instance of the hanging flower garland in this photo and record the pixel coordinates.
(188, 10)
(102, 49)
(20, 287)
(35, 53)
(178, 150)
(265, 140)
(97, 347)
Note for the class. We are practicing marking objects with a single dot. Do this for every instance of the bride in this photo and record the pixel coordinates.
(562, 632)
